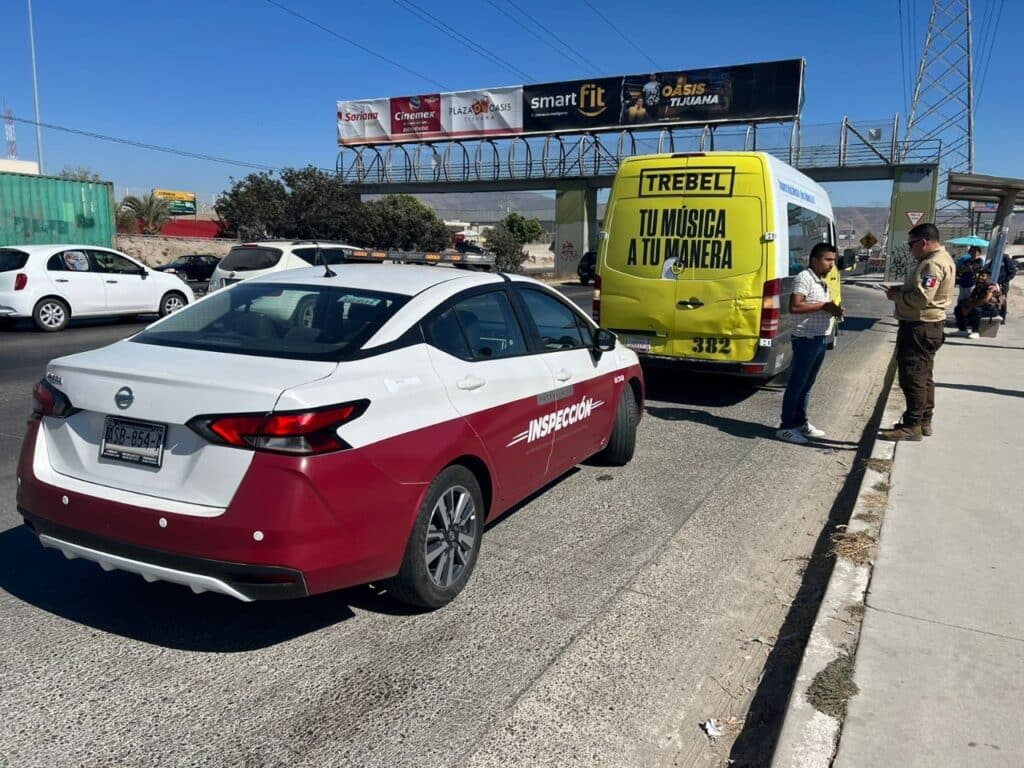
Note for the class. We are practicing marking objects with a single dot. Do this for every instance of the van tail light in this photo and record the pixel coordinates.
(20, 281)
(50, 401)
(596, 306)
(771, 309)
(304, 433)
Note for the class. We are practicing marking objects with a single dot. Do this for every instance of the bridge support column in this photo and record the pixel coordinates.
(575, 225)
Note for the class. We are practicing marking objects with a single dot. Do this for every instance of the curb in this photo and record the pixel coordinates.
(809, 738)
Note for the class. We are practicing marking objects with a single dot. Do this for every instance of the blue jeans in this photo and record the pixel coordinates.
(808, 353)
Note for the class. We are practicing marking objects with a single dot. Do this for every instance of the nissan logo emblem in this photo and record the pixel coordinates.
(124, 398)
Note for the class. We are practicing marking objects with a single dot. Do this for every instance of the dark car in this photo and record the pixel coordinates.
(196, 266)
(587, 267)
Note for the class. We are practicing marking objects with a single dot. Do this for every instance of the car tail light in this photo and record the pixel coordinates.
(596, 307)
(752, 367)
(20, 281)
(771, 309)
(49, 401)
(305, 433)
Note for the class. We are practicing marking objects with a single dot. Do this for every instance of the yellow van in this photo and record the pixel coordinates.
(698, 254)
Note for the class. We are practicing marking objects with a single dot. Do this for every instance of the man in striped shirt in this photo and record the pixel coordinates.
(811, 304)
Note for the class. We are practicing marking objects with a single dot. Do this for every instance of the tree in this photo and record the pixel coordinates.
(508, 251)
(80, 173)
(150, 211)
(523, 229)
(126, 221)
(403, 222)
(254, 207)
(319, 205)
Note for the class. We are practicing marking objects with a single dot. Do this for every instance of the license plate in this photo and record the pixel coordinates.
(134, 442)
(637, 343)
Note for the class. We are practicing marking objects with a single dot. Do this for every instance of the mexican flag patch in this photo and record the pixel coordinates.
(929, 281)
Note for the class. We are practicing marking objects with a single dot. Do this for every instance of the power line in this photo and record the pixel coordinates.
(439, 25)
(903, 59)
(153, 147)
(988, 58)
(619, 32)
(358, 45)
(594, 67)
(533, 32)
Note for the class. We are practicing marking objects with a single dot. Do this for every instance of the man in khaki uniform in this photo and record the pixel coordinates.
(920, 306)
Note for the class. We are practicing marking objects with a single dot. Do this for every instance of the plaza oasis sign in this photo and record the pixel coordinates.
(767, 91)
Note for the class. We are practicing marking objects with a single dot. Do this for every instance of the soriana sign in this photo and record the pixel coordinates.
(364, 122)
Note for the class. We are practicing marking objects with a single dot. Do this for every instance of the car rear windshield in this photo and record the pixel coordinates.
(11, 260)
(247, 259)
(301, 322)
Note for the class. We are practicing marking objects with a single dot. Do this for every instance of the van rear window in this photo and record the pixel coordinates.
(11, 260)
(248, 259)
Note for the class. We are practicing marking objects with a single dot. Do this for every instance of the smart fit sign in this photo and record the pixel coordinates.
(745, 93)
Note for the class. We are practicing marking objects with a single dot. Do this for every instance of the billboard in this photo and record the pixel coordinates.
(743, 93)
(180, 203)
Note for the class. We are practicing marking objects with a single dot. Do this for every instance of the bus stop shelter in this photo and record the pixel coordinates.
(1005, 193)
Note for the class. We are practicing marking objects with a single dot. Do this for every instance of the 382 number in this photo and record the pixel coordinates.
(712, 345)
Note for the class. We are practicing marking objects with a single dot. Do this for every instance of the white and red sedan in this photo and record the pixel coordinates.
(303, 432)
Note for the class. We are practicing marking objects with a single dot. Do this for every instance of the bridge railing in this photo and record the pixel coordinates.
(575, 156)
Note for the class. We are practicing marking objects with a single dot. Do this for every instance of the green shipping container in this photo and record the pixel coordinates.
(39, 210)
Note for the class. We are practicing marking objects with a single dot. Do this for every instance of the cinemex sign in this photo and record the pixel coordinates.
(766, 91)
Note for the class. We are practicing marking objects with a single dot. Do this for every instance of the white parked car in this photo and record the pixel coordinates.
(267, 256)
(53, 283)
(231, 450)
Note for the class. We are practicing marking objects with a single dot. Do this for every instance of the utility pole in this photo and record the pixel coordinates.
(35, 89)
(943, 105)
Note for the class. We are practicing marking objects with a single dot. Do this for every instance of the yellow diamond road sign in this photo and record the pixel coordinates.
(869, 241)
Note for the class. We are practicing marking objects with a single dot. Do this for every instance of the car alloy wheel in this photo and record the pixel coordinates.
(51, 315)
(172, 303)
(451, 536)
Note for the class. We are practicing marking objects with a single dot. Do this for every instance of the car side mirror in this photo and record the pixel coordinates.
(143, 273)
(604, 340)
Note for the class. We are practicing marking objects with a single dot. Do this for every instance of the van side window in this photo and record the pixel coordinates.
(805, 229)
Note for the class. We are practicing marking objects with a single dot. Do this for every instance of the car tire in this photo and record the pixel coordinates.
(305, 313)
(622, 440)
(172, 302)
(51, 314)
(443, 547)
(185, 277)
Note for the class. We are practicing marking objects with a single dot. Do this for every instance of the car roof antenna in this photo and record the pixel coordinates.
(328, 272)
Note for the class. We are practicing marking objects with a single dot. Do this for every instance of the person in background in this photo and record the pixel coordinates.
(1007, 271)
(984, 300)
(814, 311)
(920, 305)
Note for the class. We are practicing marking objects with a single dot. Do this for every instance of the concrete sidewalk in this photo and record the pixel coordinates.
(940, 660)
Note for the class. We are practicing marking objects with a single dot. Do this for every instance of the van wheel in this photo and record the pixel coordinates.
(51, 315)
(622, 440)
(171, 302)
(444, 543)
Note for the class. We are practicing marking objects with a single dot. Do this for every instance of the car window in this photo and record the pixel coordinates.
(558, 325)
(11, 260)
(114, 263)
(447, 334)
(302, 322)
(245, 259)
(490, 326)
(329, 255)
(69, 261)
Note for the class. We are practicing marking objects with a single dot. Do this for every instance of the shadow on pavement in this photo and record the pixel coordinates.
(982, 388)
(673, 385)
(168, 615)
(857, 324)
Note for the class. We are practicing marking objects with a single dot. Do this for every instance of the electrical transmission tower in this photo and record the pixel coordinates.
(12, 142)
(943, 104)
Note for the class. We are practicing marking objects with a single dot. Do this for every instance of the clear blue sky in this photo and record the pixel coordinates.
(245, 80)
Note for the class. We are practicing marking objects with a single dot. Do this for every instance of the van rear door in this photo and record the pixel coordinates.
(715, 246)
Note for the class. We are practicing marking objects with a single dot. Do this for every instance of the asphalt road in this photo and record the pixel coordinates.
(608, 616)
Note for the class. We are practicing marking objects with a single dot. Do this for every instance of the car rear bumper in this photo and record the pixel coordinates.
(279, 536)
(766, 363)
